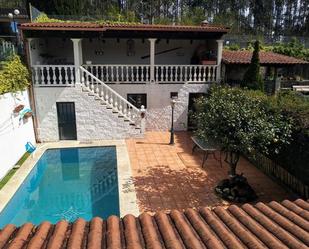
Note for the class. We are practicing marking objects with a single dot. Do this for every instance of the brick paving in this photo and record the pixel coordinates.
(168, 177)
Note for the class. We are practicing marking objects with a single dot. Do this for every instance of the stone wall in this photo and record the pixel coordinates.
(158, 115)
(94, 121)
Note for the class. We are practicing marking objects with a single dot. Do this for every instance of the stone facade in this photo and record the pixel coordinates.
(94, 121)
(158, 116)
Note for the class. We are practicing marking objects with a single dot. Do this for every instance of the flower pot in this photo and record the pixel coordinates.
(28, 115)
(18, 108)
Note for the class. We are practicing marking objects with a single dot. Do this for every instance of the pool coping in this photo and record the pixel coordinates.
(127, 194)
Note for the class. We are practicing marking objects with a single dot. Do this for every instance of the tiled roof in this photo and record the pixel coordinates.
(244, 57)
(88, 26)
(271, 225)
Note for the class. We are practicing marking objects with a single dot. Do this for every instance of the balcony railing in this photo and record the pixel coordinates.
(162, 73)
(120, 73)
(53, 75)
(64, 75)
(185, 73)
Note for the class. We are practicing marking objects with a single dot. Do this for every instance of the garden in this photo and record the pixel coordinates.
(246, 121)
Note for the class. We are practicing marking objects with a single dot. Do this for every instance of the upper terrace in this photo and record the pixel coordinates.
(124, 53)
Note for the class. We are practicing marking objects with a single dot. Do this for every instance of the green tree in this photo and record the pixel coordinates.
(252, 78)
(240, 121)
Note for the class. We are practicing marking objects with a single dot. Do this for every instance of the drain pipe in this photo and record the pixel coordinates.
(27, 46)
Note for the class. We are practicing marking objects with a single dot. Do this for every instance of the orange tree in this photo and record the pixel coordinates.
(240, 121)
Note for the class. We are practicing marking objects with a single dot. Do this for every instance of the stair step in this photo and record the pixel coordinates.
(91, 94)
(103, 102)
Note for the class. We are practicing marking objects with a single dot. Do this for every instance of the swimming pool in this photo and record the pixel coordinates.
(67, 183)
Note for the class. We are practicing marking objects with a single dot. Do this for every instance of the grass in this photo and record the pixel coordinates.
(13, 171)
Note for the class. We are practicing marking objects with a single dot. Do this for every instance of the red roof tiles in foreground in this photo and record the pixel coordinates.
(88, 26)
(271, 225)
(244, 57)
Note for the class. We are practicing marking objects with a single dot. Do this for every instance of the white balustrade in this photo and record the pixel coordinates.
(120, 73)
(185, 73)
(53, 75)
(162, 73)
(7, 47)
(64, 75)
(112, 99)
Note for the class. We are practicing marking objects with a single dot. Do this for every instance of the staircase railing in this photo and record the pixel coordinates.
(112, 99)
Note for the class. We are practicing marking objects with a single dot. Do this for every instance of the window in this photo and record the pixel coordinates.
(138, 99)
(174, 95)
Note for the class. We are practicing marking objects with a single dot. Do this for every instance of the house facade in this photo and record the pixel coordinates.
(90, 80)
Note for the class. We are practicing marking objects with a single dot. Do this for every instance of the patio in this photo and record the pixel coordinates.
(168, 177)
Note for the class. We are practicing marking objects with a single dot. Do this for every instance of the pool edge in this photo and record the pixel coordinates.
(127, 194)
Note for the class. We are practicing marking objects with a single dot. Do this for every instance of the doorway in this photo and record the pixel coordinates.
(66, 120)
(192, 108)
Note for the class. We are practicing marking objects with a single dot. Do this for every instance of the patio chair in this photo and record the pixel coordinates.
(208, 147)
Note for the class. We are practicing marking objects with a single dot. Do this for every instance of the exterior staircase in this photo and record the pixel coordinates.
(112, 101)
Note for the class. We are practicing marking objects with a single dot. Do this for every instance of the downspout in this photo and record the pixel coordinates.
(31, 89)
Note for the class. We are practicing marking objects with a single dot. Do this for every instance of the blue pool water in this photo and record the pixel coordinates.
(67, 184)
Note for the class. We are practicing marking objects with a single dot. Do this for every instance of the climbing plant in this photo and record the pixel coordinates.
(14, 76)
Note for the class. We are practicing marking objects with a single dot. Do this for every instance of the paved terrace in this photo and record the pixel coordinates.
(169, 177)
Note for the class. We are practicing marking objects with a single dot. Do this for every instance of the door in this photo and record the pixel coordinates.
(192, 108)
(66, 120)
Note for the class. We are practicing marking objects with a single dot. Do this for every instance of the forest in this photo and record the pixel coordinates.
(267, 17)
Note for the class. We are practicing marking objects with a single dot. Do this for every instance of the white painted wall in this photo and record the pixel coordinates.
(51, 51)
(94, 121)
(111, 51)
(14, 133)
(115, 52)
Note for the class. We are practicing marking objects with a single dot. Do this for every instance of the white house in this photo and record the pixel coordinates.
(90, 80)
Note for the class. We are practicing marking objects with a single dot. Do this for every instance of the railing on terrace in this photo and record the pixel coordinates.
(64, 75)
(53, 75)
(162, 73)
(120, 73)
(185, 73)
(6, 48)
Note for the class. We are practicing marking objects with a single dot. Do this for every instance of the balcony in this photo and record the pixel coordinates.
(65, 75)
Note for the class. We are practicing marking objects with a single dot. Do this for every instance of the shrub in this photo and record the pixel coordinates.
(241, 121)
(14, 76)
(252, 78)
(233, 47)
(295, 156)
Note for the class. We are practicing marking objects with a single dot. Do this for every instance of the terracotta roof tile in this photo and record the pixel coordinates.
(244, 57)
(88, 26)
(272, 225)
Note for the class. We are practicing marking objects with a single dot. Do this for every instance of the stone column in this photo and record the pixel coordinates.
(30, 52)
(219, 59)
(78, 58)
(152, 58)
